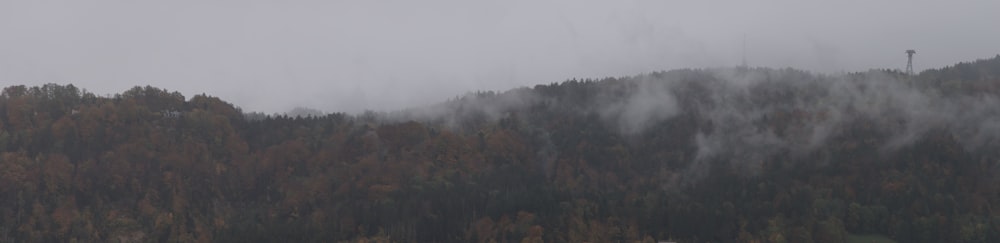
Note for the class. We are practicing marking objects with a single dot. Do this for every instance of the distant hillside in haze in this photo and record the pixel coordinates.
(702, 155)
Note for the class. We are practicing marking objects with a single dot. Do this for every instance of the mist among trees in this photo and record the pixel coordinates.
(693, 155)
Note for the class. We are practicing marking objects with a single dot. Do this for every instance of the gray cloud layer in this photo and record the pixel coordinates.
(353, 55)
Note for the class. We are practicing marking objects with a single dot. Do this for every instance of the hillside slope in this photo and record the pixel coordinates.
(719, 155)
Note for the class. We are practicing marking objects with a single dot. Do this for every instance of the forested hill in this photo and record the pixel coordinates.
(716, 155)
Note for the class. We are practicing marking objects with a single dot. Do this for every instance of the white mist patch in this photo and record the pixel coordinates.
(744, 117)
(752, 117)
(647, 103)
(976, 121)
(471, 108)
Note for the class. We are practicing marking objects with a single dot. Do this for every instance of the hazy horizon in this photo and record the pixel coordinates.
(355, 56)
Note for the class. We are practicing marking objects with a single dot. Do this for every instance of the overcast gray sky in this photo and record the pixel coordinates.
(349, 56)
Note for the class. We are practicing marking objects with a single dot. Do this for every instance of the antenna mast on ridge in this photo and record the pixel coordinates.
(909, 61)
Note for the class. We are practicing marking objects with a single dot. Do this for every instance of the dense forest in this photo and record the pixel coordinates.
(694, 155)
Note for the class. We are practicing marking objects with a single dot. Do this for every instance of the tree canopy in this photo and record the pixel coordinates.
(719, 155)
